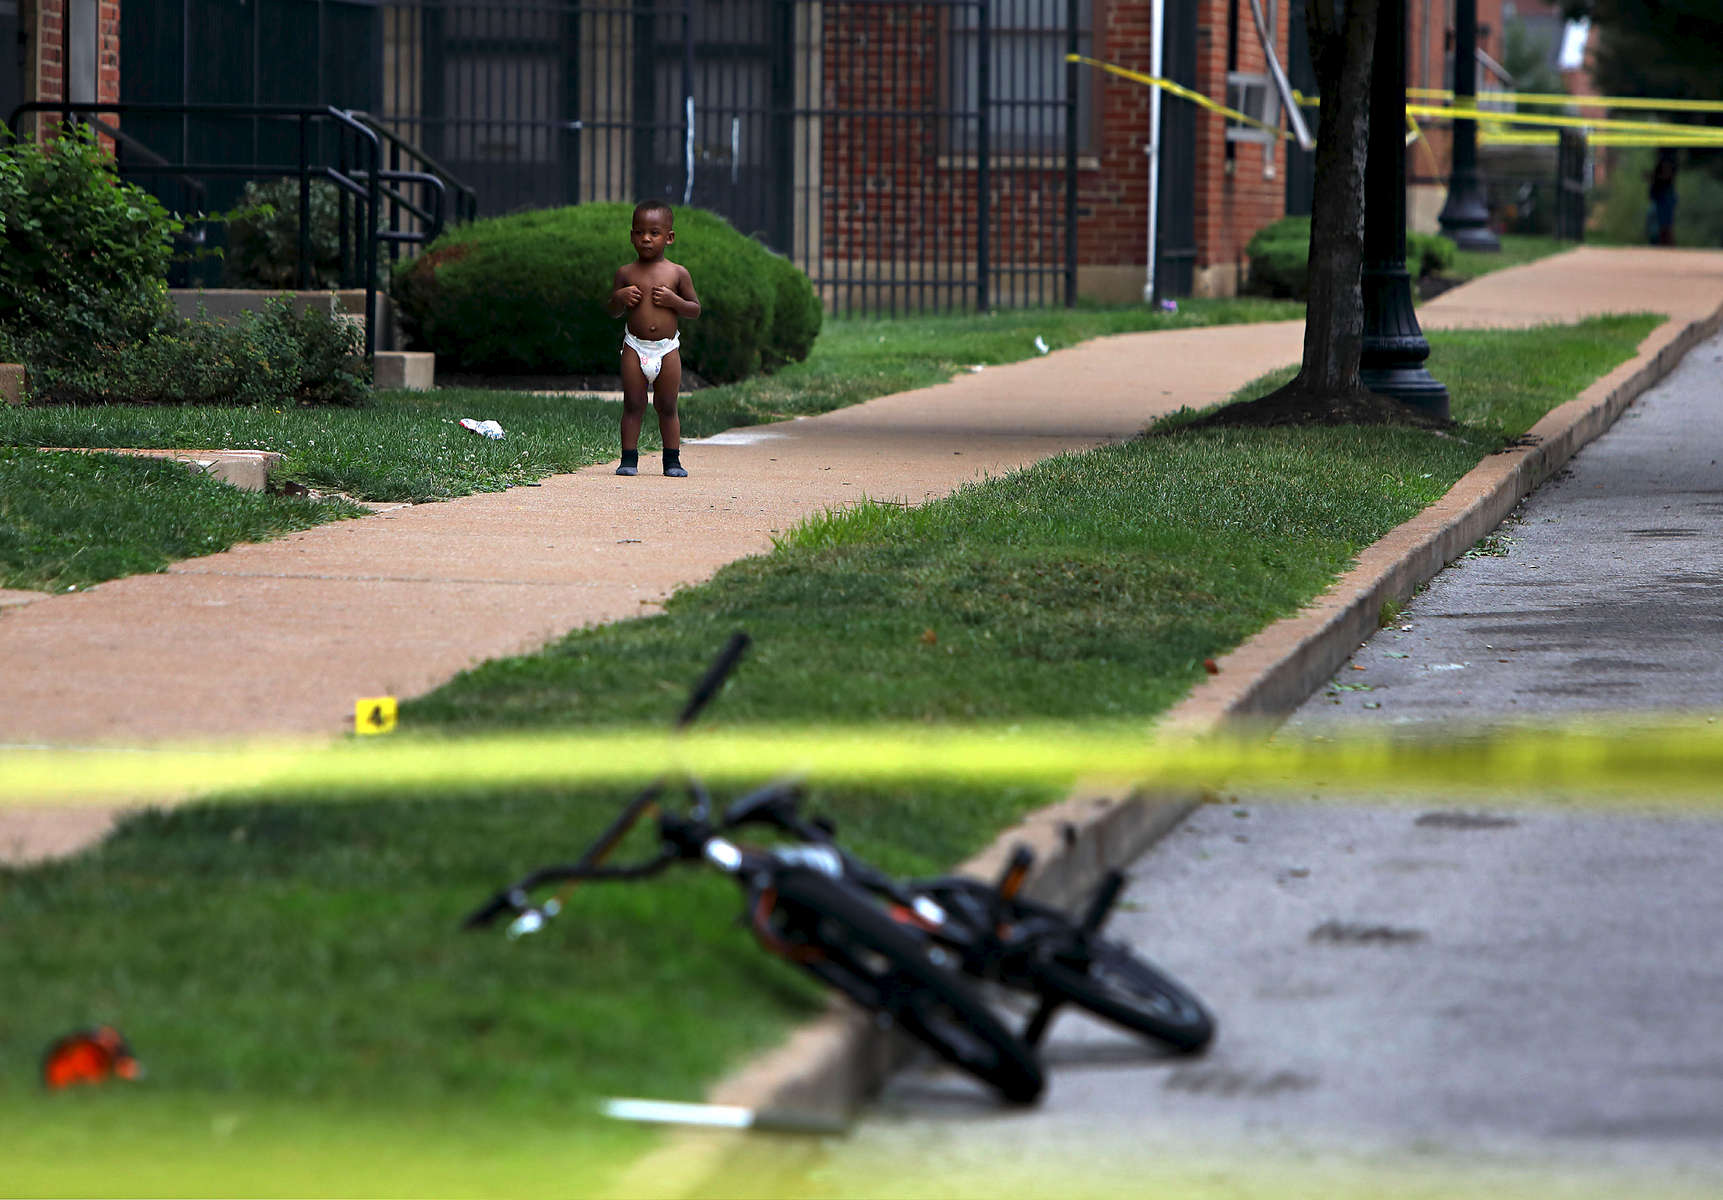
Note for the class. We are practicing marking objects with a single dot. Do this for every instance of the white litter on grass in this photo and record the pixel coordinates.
(488, 429)
(1041, 344)
(735, 437)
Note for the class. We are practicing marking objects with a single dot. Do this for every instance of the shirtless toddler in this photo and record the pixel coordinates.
(656, 294)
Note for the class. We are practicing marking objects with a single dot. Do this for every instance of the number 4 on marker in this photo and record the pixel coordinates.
(374, 714)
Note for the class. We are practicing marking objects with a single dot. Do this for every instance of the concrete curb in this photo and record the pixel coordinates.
(828, 1066)
(248, 470)
(1275, 671)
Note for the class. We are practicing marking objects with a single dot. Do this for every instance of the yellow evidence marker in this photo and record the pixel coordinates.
(374, 714)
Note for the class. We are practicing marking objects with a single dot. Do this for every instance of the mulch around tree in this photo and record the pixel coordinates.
(1295, 404)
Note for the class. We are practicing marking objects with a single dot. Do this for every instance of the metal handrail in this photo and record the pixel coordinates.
(466, 199)
(365, 180)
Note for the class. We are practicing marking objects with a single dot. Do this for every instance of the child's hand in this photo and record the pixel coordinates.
(630, 296)
(664, 296)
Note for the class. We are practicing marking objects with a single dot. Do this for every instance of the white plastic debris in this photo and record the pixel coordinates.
(488, 429)
(1041, 344)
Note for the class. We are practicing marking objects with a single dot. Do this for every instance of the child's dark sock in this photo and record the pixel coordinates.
(673, 464)
(630, 463)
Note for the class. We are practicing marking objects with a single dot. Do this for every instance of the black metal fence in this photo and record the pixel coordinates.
(908, 154)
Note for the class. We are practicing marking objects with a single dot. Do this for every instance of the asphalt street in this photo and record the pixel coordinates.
(1424, 995)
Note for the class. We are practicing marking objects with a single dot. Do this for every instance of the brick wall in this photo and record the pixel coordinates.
(49, 26)
(43, 23)
(1113, 196)
(886, 180)
(1238, 194)
(108, 52)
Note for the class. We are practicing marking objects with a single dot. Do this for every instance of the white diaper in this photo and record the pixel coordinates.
(651, 353)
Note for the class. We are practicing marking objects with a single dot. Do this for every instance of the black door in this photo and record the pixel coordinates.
(1176, 233)
(11, 59)
(733, 58)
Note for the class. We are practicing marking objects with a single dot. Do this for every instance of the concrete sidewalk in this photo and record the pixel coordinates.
(282, 637)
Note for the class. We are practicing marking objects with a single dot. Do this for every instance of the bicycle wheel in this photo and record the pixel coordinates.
(845, 939)
(1114, 983)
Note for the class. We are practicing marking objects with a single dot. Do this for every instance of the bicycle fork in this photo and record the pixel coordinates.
(1099, 909)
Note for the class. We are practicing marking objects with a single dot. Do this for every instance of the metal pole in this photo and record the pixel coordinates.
(304, 203)
(688, 99)
(1073, 12)
(983, 182)
(1466, 216)
(373, 196)
(1157, 67)
(1394, 351)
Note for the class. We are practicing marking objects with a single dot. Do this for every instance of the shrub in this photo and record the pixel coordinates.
(527, 294)
(796, 314)
(277, 357)
(1279, 254)
(1429, 253)
(1280, 257)
(84, 256)
(264, 235)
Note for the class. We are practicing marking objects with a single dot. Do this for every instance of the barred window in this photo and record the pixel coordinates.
(1027, 42)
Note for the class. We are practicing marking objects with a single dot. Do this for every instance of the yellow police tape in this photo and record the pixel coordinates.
(1565, 100)
(1672, 761)
(1472, 111)
(1177, 89)
(1612, 131)
(1500, 137)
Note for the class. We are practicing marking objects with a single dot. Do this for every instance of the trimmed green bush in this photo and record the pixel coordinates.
(796, 314)
(83, 255)
(1280, 257)
(527, 294)
(1428, 253)
(274, 358)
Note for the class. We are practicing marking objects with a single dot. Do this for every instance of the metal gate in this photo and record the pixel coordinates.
(908, 154)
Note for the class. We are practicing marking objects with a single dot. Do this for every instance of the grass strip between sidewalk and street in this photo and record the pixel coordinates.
(272, 954)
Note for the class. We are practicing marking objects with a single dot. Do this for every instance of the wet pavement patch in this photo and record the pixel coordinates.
(1219, 1081)
(1463, 820)
(1347, 933)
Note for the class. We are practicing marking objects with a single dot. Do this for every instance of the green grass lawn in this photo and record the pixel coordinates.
(299, 955)
(76, 527)
(71, 520)
(1517, 250)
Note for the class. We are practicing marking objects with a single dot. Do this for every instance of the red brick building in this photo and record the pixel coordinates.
(845, 134)
(66, 50)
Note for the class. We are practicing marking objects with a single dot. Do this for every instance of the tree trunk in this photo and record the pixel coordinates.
(1326, 390)
(1342, 41)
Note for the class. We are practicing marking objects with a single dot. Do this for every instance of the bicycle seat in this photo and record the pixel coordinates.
(775, 804)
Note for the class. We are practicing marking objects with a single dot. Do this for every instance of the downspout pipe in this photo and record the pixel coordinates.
(1152, 147)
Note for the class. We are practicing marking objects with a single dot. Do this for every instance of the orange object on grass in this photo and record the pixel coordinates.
(89, 1056)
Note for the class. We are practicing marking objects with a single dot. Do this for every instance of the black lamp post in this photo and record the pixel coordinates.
(1394, 351)
(1466, 216)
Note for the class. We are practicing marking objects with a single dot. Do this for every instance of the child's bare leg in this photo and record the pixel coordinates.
(633, 410)
(669, 420)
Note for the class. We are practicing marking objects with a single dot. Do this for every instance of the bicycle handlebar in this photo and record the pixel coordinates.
(714, 678)
(517, 897)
